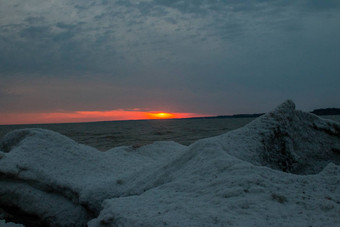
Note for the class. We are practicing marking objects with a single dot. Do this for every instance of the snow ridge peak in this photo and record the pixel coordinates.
(286, 106)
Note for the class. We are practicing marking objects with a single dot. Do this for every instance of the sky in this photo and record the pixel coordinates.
(88, 60)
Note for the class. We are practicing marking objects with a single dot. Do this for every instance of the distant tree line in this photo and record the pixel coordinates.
(327, 111)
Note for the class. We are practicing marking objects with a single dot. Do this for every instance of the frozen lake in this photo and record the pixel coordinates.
(106, 135)
(282, 169)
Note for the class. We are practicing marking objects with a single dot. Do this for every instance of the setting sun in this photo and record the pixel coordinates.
(160, 115)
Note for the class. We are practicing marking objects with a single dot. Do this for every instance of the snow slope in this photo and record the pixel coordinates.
(281, 169)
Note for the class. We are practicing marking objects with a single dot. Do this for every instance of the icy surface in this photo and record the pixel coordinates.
(283, 168)
(3, 223)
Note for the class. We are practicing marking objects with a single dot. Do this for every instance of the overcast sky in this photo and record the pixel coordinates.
(193, 56)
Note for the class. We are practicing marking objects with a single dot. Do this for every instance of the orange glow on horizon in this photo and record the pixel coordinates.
(161, 115)
(88, 116)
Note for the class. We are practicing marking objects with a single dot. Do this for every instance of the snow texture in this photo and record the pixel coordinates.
(3, 223)
(281, 169)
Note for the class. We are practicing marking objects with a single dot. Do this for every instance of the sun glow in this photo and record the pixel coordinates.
(161, 115)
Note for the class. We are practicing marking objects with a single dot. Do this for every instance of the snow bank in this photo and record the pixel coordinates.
(281, 168)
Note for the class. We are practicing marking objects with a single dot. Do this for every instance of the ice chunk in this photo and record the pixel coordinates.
(287, 140)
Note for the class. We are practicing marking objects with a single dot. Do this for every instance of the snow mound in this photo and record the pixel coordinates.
(287, 140)
(48, 175)
(281, 169)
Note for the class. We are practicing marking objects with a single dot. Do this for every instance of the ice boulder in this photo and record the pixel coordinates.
(50, 179)
(286, 139)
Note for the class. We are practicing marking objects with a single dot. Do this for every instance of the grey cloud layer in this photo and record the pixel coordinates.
(283, 48)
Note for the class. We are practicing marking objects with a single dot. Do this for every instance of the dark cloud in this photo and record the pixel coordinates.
(319, 6)
(203, 50)
(33, 20)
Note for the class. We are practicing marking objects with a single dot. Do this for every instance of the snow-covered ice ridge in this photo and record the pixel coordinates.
(282, 169)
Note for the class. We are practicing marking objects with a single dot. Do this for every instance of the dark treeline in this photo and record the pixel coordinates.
(328, 111)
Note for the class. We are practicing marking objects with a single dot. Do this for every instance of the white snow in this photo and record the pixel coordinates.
(282, 169)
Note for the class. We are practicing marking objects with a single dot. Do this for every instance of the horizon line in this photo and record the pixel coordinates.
(147, 116)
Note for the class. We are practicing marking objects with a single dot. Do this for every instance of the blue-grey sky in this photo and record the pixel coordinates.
(193, 56)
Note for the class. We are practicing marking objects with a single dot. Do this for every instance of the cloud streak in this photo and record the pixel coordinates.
(88, 116)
